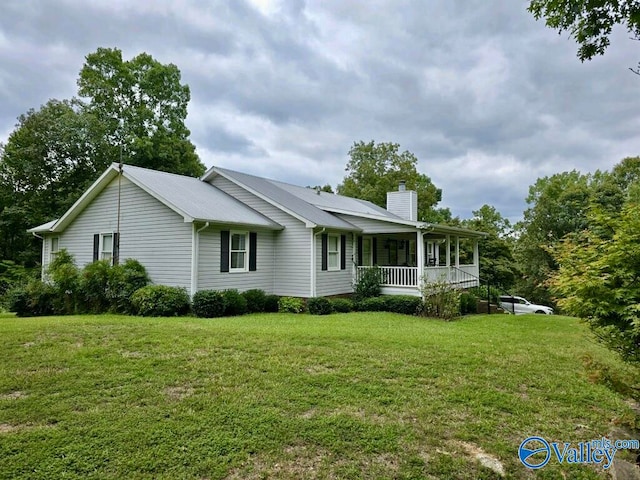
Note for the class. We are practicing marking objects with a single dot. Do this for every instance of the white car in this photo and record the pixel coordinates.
(520, 306)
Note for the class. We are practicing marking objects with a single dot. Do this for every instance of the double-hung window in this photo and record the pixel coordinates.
(55, 248)
(333, 252)
(238, 252)
(106, 246)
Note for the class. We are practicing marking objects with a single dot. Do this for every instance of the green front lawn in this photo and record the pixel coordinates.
(362, 395)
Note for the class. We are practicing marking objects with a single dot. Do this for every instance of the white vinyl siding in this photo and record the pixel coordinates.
(334, 282)
(291, 245)
(211, 278)
(150, 232)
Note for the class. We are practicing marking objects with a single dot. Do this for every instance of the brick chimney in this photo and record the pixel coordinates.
(403, 203)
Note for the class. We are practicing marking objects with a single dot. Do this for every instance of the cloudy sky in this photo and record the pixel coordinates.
(487, 98)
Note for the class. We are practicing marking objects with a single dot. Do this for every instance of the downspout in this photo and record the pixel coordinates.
(312, 293)
(195, 248)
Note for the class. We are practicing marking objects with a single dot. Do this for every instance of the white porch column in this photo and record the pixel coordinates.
(448, 263)
(420, 256)
(457, 252)
(476, 253)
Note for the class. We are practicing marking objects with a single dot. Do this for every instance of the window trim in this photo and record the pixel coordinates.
(101, 250)
(52, 252)
(245, 268)
(336, 252)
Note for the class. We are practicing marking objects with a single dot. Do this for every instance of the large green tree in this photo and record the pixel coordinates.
(562, 205)
(134, 111)
(50, 158)
(375, 169)
(497, 262)
(589, 22)
(599, 276)
(558, 206)
(143, 105)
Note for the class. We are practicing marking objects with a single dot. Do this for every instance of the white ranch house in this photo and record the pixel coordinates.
(233, 230)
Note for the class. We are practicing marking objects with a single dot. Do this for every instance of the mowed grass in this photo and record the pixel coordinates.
(362, 395)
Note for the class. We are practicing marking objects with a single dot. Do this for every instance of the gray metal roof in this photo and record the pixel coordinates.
(45, 227)
(334, 202)
(196, 199)
(283, 197)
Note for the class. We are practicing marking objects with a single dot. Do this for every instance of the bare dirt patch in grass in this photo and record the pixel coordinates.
(486, 460)
(8, 428)
(179, 392)
(13, 395)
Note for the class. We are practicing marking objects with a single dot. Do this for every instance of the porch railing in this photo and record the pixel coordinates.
(466, 276)
(395, 276)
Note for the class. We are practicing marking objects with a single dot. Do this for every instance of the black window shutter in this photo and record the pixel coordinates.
(253, 251)
(116, 248)
(96, 247)
(359, 251)
(374, 247)
(343, 252)
(325, 251)
(224, 251)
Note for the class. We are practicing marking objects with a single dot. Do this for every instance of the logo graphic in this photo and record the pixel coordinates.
(534, 452)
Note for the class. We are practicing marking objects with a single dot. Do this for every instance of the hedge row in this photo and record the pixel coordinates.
(97, 288)
(405, 304)
(227, 303)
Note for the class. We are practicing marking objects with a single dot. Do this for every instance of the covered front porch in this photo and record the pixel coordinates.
(408, 260)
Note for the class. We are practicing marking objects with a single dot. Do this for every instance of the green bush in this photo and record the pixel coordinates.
(369, 283)
(290, 305)
(255, 300)
(342, 305)
(235, 303)
(441, 300)
(12, 275)
(33, 300)
(66, 283)
(468, 303)
(160, 301)
(209, 304)
(271, 303)
(122, 281)
(405, 304)
(94, 284)
(319, 306)
(481, 293)
(17, 300)
(372, 304)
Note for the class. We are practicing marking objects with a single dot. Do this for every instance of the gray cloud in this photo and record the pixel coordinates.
(486, 97)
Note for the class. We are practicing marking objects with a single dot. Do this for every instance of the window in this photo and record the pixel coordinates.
(55, 248)
(333, 252)
(366, 252)
(238, 252)
(412, 253)
(106, 246)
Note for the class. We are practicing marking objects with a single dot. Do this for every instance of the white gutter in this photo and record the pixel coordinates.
(195, 250)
